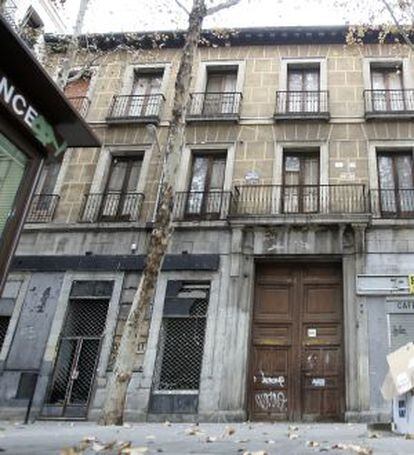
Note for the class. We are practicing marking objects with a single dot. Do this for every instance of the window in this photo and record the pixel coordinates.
(4, 325)
(146, 94)
(387, 88)
(220, 92)
(303, 86)
(205, 197)
(300, 182)
(77, 93)
(395, 178)
(48, 178)
(31, 27)
(120, 199)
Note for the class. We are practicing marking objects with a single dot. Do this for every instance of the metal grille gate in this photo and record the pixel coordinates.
(180, 349)
(77, 357)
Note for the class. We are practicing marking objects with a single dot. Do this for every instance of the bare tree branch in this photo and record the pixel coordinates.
(225, 4)
(182, 7)
(401, 29)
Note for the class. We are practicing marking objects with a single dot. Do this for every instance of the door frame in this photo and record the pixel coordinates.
(296, 260)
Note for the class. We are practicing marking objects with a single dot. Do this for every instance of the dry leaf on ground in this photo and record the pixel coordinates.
(354, 448)
(134, 450)
(293, 435)
(260, 452)
(228, 431)
(312, 444)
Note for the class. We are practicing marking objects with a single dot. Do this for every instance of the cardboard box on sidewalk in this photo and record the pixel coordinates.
(398, 385)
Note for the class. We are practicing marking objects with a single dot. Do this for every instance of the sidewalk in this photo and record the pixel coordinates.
(242, 438)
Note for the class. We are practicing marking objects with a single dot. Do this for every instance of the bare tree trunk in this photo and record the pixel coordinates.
(126, 357)
(69, 62)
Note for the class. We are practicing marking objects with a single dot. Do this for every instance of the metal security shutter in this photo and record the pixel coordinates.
(79, 348)
(401, 329)
(4, 324)
(180, 349)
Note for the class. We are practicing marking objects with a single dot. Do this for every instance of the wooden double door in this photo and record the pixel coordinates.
(296, 362)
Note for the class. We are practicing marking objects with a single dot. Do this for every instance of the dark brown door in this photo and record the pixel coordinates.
(296, 360)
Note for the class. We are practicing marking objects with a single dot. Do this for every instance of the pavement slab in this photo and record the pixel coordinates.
(71, 438)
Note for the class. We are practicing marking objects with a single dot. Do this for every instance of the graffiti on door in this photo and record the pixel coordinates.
(271, 400)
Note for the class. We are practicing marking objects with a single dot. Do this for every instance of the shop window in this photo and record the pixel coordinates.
(301, 189)
(396, 184)
(206, 184)
(12, 168)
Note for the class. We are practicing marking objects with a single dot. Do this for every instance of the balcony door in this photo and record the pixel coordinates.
(395, 175)
(220, 96)
(303, 89)
(121, 201)
(205, 197)
(145, 100)
(300, 193)
(77, 93)
(387, 86)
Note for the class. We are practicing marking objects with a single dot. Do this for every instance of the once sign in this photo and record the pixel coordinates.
(19, 106)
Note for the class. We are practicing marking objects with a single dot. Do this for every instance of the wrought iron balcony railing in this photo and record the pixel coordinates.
(42, 209)
(215, 106)
(393, 203)
(271, 200)
(389, 103)
(302, 104)
(200, 205)
(136, 108)
(81, 104)
(111, 207)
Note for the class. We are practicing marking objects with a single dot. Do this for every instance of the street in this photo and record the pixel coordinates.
(70, 438)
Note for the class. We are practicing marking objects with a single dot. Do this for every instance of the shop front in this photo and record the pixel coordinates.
(37, 123)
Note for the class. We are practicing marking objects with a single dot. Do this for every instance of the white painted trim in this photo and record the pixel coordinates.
(283, 146)
(184, 171)
(201, 79)
(321, 61)
(128, 79)
(406, 68)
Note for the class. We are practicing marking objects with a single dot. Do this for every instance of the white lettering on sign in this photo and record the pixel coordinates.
(312, 333)
(19, 105)
(318, 382)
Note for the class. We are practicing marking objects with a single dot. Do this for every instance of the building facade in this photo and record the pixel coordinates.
(286, 280)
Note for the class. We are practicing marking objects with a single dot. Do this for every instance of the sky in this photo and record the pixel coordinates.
(139, 15)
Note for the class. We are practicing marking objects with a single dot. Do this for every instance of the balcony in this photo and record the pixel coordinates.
(81, 104)
(214, 106)
(389, 104)
(301, 105)
(136, 109)
(42, 209)
(201, 206)
(316, 201)
(111, 207)
(393, 203)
